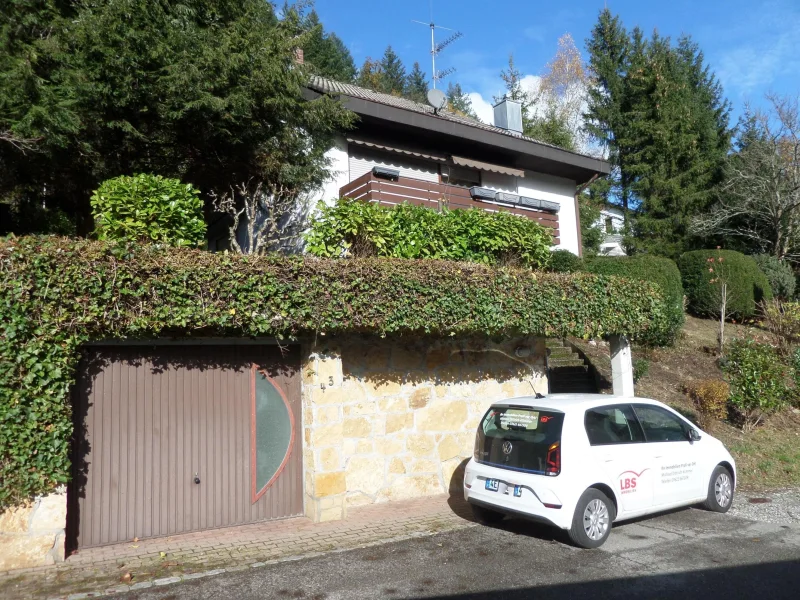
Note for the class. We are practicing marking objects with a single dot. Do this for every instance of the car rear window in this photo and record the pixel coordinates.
(612, 425)
(530, 433)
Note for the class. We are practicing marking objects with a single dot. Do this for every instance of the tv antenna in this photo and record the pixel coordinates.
(437, 48)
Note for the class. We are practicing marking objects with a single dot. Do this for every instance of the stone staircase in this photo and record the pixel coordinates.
(567, 371)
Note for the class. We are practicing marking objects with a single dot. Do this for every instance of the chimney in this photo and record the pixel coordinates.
(508, 115)
(298, 56)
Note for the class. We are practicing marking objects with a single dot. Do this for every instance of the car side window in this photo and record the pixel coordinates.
(661, 425)
(612, 425)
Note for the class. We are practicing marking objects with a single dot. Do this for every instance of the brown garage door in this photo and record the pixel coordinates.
(175, 439)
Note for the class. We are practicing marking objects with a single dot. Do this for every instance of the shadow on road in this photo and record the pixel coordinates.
(771, 581)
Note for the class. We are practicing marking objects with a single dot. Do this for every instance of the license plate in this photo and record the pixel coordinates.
(517, 491)
(492, 485)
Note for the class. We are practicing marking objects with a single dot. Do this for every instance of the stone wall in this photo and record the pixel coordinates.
(33, 535)
(387, 420)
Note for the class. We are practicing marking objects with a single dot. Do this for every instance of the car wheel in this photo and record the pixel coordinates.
(591, 524)
(720, 490)
(487, 516)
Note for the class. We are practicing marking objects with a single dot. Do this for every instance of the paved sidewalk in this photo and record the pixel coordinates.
(113, 569)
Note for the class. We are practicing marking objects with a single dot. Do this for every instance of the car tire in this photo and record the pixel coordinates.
(591, 523)
(720, 491)
(486, 515)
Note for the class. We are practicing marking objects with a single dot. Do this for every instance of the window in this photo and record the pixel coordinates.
(520, 438)
(609, 225)
(661, 425)
(461, 176)
(272, 435)
(612, 425)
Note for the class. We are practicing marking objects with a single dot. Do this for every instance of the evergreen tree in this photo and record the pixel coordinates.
(458, 101)
(393, 73)
(416, 88)
(211, 95)
(608, 49)
(325, 53)
(512, 78)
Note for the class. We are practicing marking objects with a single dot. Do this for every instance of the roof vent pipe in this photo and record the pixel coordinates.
(508, 115)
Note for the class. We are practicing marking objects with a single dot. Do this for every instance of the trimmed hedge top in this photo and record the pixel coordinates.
(56, 294)
(747, 284)
(661, 271)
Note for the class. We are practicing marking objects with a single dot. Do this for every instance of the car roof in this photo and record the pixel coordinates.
(570, 402)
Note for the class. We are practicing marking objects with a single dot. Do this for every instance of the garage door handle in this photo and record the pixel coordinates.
(197, 478)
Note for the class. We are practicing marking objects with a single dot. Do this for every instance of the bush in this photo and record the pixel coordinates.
(782, 319)
(779, 274)
(710, 397)
(564, 261)
(641, 367)
(747, 285)
(661, 271)
(56, 294)
(758, 378)
(149, 208)
(361, 229)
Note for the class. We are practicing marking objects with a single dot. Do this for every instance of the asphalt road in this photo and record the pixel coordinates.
(687, 554)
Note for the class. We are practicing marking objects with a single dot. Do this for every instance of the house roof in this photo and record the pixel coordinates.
(408, 113)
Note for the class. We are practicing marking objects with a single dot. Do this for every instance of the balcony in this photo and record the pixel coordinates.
(434, 195)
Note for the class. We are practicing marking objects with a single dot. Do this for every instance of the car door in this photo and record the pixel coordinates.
(676, 459)
(617, 444)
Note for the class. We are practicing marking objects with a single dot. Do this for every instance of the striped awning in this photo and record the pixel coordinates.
(482, 166)
(399, 150)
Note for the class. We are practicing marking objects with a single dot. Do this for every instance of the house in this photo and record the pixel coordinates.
(611, 222)
(405, 151)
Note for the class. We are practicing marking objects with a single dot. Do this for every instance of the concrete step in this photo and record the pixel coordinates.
(565, 362)
(560, 351)
(583, 389)
(577, 371)
(554, 343)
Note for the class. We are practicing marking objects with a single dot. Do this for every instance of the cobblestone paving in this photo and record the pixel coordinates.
(97, 572)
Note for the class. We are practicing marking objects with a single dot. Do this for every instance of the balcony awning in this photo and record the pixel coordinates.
(399, 150)
(482, 166)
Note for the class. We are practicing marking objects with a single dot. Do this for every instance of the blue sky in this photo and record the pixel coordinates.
(753, 45)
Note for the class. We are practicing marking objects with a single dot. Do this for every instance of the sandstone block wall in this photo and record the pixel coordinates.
(33, 535)
(388, 420)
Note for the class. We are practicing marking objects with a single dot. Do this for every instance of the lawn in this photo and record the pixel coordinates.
(769, 457)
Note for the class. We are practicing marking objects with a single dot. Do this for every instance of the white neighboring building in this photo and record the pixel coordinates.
(611, 222)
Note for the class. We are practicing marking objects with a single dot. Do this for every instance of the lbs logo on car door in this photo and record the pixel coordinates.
(628, 481)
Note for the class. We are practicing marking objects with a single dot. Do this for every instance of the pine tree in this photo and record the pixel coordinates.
(393, 73)
(459, 102)
(325, 53)
(416, 87)
(608, 49)
(512, 78)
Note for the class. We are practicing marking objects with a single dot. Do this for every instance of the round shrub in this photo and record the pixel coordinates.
(710, 396)
(779, 274)
(702, 271)
(148, 208)
(661, 271)
(564, 261)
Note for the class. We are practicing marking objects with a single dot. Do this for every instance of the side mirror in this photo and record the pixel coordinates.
(693, 435)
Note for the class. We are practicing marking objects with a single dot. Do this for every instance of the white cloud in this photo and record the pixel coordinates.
(482, 108)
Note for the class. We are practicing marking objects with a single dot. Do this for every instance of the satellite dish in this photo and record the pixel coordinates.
(437, 99)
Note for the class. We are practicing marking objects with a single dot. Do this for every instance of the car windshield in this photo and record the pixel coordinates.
(530, 433)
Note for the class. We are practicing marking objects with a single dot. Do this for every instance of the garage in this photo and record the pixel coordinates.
(173, 439)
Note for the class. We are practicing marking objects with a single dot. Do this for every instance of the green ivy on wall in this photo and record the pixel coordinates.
(56, 294)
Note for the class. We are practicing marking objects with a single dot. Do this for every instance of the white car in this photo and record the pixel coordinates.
(584, 461)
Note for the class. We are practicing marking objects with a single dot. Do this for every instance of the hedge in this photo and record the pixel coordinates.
(56, 294)
(564, 261)
(661, 271)
(747, 284)
(779, 274)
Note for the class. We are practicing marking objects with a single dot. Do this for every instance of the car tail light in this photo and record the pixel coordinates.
(553, 466)
(476, 451)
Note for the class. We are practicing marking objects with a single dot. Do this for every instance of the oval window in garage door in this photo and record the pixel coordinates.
(272, 432)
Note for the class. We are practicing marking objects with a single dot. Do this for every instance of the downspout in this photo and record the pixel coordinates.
(578, 191)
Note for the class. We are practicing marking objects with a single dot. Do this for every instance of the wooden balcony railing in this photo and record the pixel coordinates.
(433, 195)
